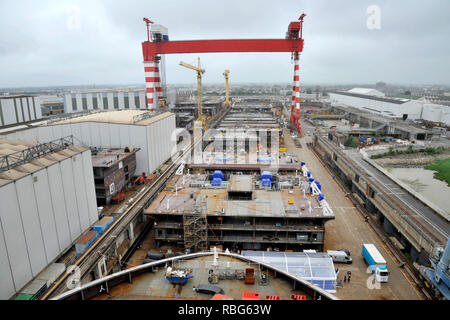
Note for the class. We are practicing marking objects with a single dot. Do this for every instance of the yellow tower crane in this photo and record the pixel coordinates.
(227, 88)
(200, 71)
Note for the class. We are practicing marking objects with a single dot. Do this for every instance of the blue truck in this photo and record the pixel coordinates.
(376, 262)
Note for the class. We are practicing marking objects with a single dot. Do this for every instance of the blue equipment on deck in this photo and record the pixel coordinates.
(266, 179)
(217, 178)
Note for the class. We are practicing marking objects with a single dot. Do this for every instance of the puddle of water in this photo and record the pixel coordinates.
(423, 182)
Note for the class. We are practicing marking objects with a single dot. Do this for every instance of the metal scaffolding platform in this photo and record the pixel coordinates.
(195, 228)
(18, 158)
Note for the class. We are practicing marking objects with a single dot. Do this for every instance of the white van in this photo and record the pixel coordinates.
(339, 256)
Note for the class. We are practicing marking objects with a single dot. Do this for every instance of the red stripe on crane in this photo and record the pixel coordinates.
(151, 69)
(152, 79)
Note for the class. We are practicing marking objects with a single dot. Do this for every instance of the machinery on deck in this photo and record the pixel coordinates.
(158, 44)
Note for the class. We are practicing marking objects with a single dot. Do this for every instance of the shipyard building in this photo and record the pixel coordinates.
(16, 109)
(375, 102)
(149, 131)
(48, 201)
(105, 100)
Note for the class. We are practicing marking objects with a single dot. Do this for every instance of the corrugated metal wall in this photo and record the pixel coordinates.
(46, 212)
(73, 102)
(18, 110)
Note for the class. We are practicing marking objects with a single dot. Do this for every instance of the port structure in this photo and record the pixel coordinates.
(158, 44)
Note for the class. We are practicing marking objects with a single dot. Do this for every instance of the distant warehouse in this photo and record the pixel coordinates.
(19, 109)
(105, 100)
(47, 198)
(374, 101)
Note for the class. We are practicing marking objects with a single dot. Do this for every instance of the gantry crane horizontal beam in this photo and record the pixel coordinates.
(151, 49)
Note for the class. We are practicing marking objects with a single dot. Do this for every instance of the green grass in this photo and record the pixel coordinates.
(442, 166)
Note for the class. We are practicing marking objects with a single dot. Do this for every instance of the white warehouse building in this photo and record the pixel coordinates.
(148, 130)
(47, 202)
(19, 109)
(372, 101)
(105, 100)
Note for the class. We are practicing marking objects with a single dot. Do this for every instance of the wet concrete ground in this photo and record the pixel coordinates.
(349, 231)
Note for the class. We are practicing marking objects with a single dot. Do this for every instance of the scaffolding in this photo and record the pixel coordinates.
(195, 228)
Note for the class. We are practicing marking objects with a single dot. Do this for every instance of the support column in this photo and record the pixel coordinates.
(292, 120)
(158, 84)
(297, 91)
(294, 88)
(151, 80)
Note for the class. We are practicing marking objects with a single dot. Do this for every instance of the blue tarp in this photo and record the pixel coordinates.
(264, 159)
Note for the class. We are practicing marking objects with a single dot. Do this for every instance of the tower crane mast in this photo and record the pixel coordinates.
(227, 89)
(199, 71)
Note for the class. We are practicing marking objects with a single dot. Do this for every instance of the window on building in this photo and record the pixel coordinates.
(105, 103)
(136, 102)
(74, 104)
(126, 101)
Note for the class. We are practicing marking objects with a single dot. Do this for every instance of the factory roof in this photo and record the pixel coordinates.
(365, 96)
(107, 90)
(135, 117)
(367, 91)
(108, 158)
(9, 147)
(13, 96)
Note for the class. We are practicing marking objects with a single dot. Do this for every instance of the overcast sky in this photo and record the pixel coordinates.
(99, 42)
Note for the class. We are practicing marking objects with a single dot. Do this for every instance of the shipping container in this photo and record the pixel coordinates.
(103, 224)
(85, 241)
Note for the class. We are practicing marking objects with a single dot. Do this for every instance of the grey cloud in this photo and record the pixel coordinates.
(37, 48)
